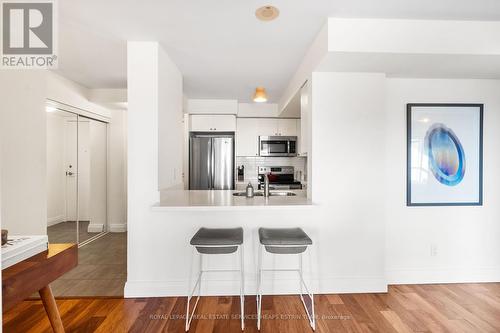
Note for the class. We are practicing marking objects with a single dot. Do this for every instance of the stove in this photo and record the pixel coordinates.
(280, 178)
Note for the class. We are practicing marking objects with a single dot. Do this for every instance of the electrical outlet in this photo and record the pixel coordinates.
(434, 250)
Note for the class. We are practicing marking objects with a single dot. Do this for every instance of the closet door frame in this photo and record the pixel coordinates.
(80, 113)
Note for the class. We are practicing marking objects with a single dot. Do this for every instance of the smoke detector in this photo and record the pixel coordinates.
(267, 13)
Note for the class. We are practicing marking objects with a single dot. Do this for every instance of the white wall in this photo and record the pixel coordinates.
(212, 106)
(348, 177)
(170, 122)
(22, 152)
(67, 92)
(150, 73)
(313, 57)
(413, 36)
(259, 110)
(466, 238)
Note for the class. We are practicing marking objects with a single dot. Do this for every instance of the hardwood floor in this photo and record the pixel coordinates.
(101, 270)
(405, 308)
(65, 232)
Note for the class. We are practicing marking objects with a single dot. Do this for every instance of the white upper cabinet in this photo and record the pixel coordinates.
(277, 127)
(267, 126)
(287, 127)
(213, 123)
(247, 137)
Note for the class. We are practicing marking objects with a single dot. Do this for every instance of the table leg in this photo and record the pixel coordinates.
(49, 303)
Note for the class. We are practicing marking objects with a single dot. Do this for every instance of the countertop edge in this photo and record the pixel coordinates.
(157, 208)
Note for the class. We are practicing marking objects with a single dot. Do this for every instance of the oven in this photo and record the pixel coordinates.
(277, 145)
(280, 178)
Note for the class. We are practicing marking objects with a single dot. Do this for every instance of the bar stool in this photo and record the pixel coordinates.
(212, 242)
(284, 241)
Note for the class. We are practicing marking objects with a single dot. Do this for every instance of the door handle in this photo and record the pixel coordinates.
(69, 173)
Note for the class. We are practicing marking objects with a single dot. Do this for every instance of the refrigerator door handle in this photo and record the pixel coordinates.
(210, 164)
(212, 170)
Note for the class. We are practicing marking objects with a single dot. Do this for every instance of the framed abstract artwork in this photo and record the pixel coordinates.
(444, 155)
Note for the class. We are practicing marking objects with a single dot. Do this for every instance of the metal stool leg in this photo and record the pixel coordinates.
(242, 288)
(198, 283)
(259, 286)
(310, 315)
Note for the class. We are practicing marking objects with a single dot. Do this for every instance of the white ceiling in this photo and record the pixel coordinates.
(219, 46)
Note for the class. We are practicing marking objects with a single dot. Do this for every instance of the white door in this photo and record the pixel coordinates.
(70, 167)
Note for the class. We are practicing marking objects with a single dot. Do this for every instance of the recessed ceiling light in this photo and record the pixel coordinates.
(260, 95)
(267, 13)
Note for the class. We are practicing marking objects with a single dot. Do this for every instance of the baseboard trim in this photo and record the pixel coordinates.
(95, 227)
(178, 288)
(118, 227)
(55, 220)
(452, 275)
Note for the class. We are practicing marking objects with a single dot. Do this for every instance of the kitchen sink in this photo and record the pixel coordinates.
(244, 194)
(282, 194)
(261, 194)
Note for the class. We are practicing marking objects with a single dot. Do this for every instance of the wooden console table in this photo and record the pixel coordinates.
(34, 274)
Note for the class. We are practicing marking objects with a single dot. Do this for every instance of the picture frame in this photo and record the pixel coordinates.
(444, 154)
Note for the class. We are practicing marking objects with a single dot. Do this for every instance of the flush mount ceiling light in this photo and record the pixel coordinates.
(260, 95)
(267, 13)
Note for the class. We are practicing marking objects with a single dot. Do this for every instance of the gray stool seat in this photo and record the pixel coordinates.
(284, 240)
(217, 240)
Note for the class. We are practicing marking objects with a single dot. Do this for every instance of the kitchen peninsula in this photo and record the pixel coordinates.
(225, 199)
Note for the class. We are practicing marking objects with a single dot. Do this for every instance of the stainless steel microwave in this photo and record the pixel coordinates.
(277, 145)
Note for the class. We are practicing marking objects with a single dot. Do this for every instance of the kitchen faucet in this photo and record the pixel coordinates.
(266, 185)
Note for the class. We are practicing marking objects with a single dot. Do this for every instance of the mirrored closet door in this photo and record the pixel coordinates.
(92, 178)
(76, 177)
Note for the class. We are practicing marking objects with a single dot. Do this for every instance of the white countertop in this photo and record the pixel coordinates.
(224, 199)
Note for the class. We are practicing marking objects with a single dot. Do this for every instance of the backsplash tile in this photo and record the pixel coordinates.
(252, 163)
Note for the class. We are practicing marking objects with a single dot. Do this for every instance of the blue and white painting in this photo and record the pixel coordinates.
(444, 154)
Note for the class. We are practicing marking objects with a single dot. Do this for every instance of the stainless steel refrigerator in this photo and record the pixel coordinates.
(211, 161)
